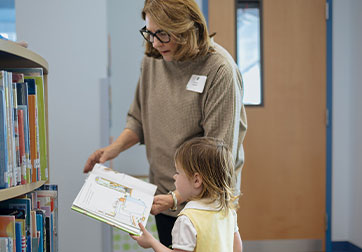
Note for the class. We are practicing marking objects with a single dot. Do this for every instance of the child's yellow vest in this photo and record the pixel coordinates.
(215, 232)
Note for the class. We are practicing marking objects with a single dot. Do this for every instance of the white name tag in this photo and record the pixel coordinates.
(196, 83)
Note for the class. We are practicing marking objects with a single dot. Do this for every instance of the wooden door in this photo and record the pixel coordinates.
(284, 177)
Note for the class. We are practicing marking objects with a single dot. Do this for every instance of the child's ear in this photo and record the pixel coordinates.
(197, 180)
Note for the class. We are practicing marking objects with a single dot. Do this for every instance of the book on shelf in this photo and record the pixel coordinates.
(5, 244)
(20, 204)
(19, 215)
(7, 229)
(33, 129)
(47, 198)
(8, 144)
(40, 228)
(4, 168)
(18, 78)
(22, 98)
(18, 236)
(17, 173)
(117, 199)
(37, 75)
(22, 153)
(10, 133)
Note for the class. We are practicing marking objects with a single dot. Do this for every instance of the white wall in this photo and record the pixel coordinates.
(71, 36)
(124, 22)
(342, 91)
(347, 122)
(356, 124)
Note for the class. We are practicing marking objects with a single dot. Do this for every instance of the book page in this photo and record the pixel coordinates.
(116, 197)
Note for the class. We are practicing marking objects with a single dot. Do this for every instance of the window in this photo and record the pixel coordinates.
(7, 19)
(248, 49)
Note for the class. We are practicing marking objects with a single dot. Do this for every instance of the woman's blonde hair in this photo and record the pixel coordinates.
(212, 159)
(183, 20)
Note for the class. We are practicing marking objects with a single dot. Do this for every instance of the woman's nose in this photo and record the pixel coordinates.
(156, 42)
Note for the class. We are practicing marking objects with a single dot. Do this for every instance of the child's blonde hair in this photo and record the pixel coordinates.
(183, 20)
(212, 159)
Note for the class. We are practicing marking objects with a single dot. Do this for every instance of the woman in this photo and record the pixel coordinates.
(187, 88)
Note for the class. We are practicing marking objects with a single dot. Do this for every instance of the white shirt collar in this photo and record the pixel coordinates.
(203, 205)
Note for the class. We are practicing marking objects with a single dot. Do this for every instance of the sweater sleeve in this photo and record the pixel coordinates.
(219, 108)
(223, 111)
(134, 116)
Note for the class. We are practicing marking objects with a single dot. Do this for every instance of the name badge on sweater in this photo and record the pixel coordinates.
(196, 83)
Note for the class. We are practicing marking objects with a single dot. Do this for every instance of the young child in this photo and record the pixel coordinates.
(205, 178)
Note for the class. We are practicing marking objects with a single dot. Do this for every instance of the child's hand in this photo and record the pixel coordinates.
(146, 239)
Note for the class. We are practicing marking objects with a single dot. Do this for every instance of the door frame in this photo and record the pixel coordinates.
(329, 3)
(329, 139)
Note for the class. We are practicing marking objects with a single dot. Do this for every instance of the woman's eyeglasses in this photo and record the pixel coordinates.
(162, 36)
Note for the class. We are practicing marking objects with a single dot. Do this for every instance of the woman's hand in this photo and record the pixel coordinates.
(100, 156)
(161, 203)
(124, 141)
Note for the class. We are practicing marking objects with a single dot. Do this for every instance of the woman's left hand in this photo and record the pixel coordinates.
(161, 203)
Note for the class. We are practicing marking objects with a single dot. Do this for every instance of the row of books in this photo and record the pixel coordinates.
(23, 143)
(30, 223)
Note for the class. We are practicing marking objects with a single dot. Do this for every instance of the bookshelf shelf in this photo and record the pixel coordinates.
(13, 55)
(13, 192)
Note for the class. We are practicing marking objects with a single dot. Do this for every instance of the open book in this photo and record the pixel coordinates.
(115, 198)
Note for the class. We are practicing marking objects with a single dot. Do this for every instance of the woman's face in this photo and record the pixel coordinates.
(167, 50)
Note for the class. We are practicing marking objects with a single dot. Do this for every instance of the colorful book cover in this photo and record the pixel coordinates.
(4, 168)
(40, 224)
(9, 128)
(18, 236)
(13, 130)
(47, 195)
(17, 174)
(7, 228)
(20, 204)
(32, 110)
(22, 98)
(23, 161)
(4, 244)
(18, 77)
(33, 232)
(39, 81)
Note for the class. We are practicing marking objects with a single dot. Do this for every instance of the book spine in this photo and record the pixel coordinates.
(18, 236)
(22, 97)
(42, 164)
(40, 226)
(22, 145)
(4, 183)
(9, 130)
(16, 136)
(32, 128)
(27, 162)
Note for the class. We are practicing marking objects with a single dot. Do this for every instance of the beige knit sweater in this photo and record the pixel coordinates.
(164, 114)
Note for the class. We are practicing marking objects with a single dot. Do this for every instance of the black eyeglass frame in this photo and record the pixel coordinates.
(144, 30)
